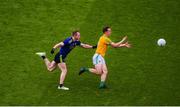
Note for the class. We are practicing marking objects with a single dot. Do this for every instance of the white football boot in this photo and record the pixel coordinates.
(63, 88)
(41, 54)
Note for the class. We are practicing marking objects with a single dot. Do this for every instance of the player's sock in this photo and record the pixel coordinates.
(102, 85)
(43, 57)
(86, 69)
(83, 69)
(61, 85)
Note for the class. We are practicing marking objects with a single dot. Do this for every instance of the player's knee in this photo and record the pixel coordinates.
(99, 71)
(49, 69)
(64, 70)
(105, 72)
(62, 66)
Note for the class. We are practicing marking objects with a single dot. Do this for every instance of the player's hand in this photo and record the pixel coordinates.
(52, 51)
(124, 38)
(127, 45)
(94, 47)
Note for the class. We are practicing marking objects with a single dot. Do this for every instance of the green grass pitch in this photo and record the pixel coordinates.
(146, 74)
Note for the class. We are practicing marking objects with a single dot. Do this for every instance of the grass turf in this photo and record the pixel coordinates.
(143, 75)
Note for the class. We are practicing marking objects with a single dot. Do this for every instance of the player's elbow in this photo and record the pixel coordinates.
(83, 46)
(60, 44)
(114, 45)
(86, 46)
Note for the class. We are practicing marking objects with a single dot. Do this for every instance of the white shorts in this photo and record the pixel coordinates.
(98, 59)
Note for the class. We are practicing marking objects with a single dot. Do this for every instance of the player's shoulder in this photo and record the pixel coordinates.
(68, 39)
(106, 38)
(103, 38)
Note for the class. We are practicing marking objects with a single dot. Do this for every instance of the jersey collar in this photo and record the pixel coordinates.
(105, 35)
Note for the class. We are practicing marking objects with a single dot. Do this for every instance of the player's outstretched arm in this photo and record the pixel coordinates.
(87, 46)
(117, 45)
(121, 43)
(57, 46)
(125, 45)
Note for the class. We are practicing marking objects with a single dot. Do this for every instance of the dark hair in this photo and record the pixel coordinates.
(105, 29)
(74, 32)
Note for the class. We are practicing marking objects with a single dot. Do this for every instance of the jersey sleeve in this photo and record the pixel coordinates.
(108, 41)
(66, 41)
(78, 43)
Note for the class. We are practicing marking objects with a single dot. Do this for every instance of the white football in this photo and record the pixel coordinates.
(161, 42)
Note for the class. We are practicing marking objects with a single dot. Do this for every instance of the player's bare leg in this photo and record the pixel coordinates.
(63, 68)
(50, 65)
(97, 70)
(100, 69)
(103, 77)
